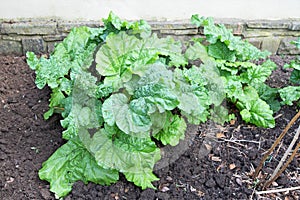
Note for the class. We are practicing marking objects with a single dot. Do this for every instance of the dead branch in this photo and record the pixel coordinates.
(275, 144)
(272, 178)
(268, 183)
(278, 190)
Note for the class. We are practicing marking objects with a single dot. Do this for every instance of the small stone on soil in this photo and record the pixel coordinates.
(210, 183)
(45, 193)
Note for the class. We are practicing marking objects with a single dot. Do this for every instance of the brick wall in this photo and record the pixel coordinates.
(40, 35)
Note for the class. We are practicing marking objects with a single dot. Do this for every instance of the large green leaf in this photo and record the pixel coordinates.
(86, 115)
(255, 110)
(198, 51)
(233, 88)
(157, 95)
(133, 156)
(71, 163)
(75, 52)
(142, 179)
(71, 57)
(290, 94)
(158, 121)
(233, 67)
(124, 55)
(259, 113)
(193, 97)
(295, 76)
(111, 107)
(47, 71)
(269, 95)
(129, 117)
(192, 108)
(133, 117)
(195, 76)
(220, 50)
(258, 74)
(55, 101)
(214, 33)
(113, 24)
(206, 80)
(157, 73)
(82, 108)
(173, 130)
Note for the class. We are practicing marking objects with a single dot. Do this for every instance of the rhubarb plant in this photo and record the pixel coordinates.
(121, 89)
(276, 97)
(291, 94)
(241, 78)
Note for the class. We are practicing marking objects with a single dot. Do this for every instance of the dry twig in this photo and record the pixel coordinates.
(278, 190)
(277, 173)
(275, 144)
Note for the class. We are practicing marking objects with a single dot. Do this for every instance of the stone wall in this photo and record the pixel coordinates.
(41, 35)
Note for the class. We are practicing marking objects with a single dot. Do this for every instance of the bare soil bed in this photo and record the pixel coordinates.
(211, 168)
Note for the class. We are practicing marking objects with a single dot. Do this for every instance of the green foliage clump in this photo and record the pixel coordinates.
(291, 94)
(120, 88)
(240, 78)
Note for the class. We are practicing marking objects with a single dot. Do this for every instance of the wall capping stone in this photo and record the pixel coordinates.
(40, 35)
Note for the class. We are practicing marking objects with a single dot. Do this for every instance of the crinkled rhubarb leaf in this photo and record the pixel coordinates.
(154, 74)
(82, 108)
(258, 74)
(259, 113)
(103, 91)
(56, 100)
(71, 57)
(269, 95)
(71, 163)
(133, 156)
(192, 95)
(158, 121)
(157, 95)
(111, 107)
(86, 115)
(219, 50)
(142, 179)
(290, 94)
(233, 89)
(233, 67)
(195, 76)
(124, 55)
(295, 76)
(114, 24)
(133, 117)
(173, 130)
(75, 52)
(208, 75)
(255, 110)
(198, 51)
(214, 33)
(130, 117)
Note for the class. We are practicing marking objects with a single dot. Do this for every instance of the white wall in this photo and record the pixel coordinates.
(150, 9)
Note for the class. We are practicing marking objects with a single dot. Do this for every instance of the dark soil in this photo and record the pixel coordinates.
(211, 168)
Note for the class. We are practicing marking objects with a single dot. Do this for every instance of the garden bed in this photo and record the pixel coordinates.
(217, 164)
